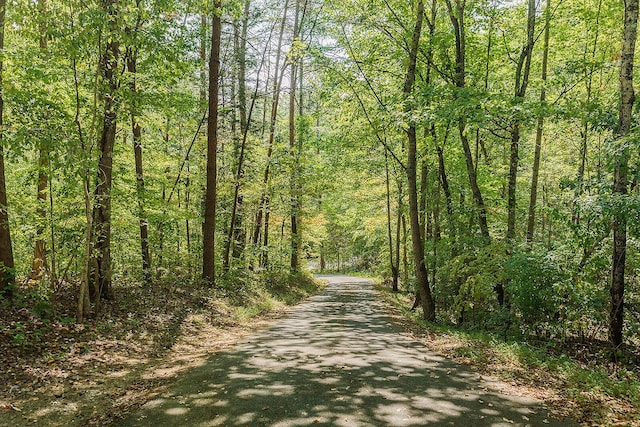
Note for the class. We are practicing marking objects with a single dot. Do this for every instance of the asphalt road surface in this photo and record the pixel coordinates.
(336, 360)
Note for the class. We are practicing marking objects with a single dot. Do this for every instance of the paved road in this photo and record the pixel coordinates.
(336, 360)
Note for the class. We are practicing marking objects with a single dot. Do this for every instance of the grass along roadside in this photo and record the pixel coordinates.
(593, 394)
(58, 373)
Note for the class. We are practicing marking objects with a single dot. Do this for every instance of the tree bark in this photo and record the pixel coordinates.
(209, 227)
(7, 273)
(621, 170)
(422, 277)
(101, 223)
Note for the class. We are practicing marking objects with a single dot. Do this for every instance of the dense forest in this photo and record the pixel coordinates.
(480, 154)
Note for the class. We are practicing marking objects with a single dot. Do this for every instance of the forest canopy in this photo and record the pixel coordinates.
(481, 154)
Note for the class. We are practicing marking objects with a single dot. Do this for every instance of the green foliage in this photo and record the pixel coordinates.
(467, 284)
(537, 287)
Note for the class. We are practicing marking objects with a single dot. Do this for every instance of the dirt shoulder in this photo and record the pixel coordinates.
(561, 383)
(58, 373)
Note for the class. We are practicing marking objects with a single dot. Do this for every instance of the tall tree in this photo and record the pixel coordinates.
(621, 171)
(294, 57)
(523, 67)
(393, 256)
(39, 253)
(591, 46)
(263, 207)
(539, 129)
(235, 237)
(428, 305)
(101, 224)
(7, 273)
(456, 15)
(239, 236)
(136, 129)
(209, 227)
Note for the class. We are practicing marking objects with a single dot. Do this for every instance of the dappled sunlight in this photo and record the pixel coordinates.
(336, 360)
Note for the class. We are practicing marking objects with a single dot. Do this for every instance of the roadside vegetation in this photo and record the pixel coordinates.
(56, 372)
(575, 379)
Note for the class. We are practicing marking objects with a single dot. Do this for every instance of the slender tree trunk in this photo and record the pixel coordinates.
(137, 150)
(239, 236)
(444, 181)
(236, 234)
(521, 82)
(457, 20)
(187, 223)
(539, 129)
(277, 81)
(39, 255)
(209, 228)
(101, 230)
(428, 306)
(621, 170)
(422, 201)
(585, 124)
(392, 257)
(7, 273)
(165, 202)
(405, 255)
(238, 146)
(265, 242)
(84, 304)
(295, 244)
(398, 234)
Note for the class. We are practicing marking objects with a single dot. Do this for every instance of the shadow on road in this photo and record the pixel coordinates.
(335, 360)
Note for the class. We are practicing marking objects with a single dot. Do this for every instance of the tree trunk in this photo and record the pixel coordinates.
(239, 236)
(83, 307)
(428, 306)
(209, 228)
(295, 243)
(277, 81)
(620, 182)
(265, 242)
(236, 236)
(137, 150)
(39, 253)
(457, 20)
(235, 223)
(584, 145)
(422, 200)
(101, 223)
(7, 273)
(523, 67)
(538, 148)
(405, 255)
(392, 257)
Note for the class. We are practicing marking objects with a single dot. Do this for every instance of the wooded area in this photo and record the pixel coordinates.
(481, 153)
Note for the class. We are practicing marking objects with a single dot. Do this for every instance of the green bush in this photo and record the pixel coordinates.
(537, 288)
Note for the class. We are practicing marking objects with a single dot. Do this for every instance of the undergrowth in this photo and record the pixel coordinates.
(151, 317)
